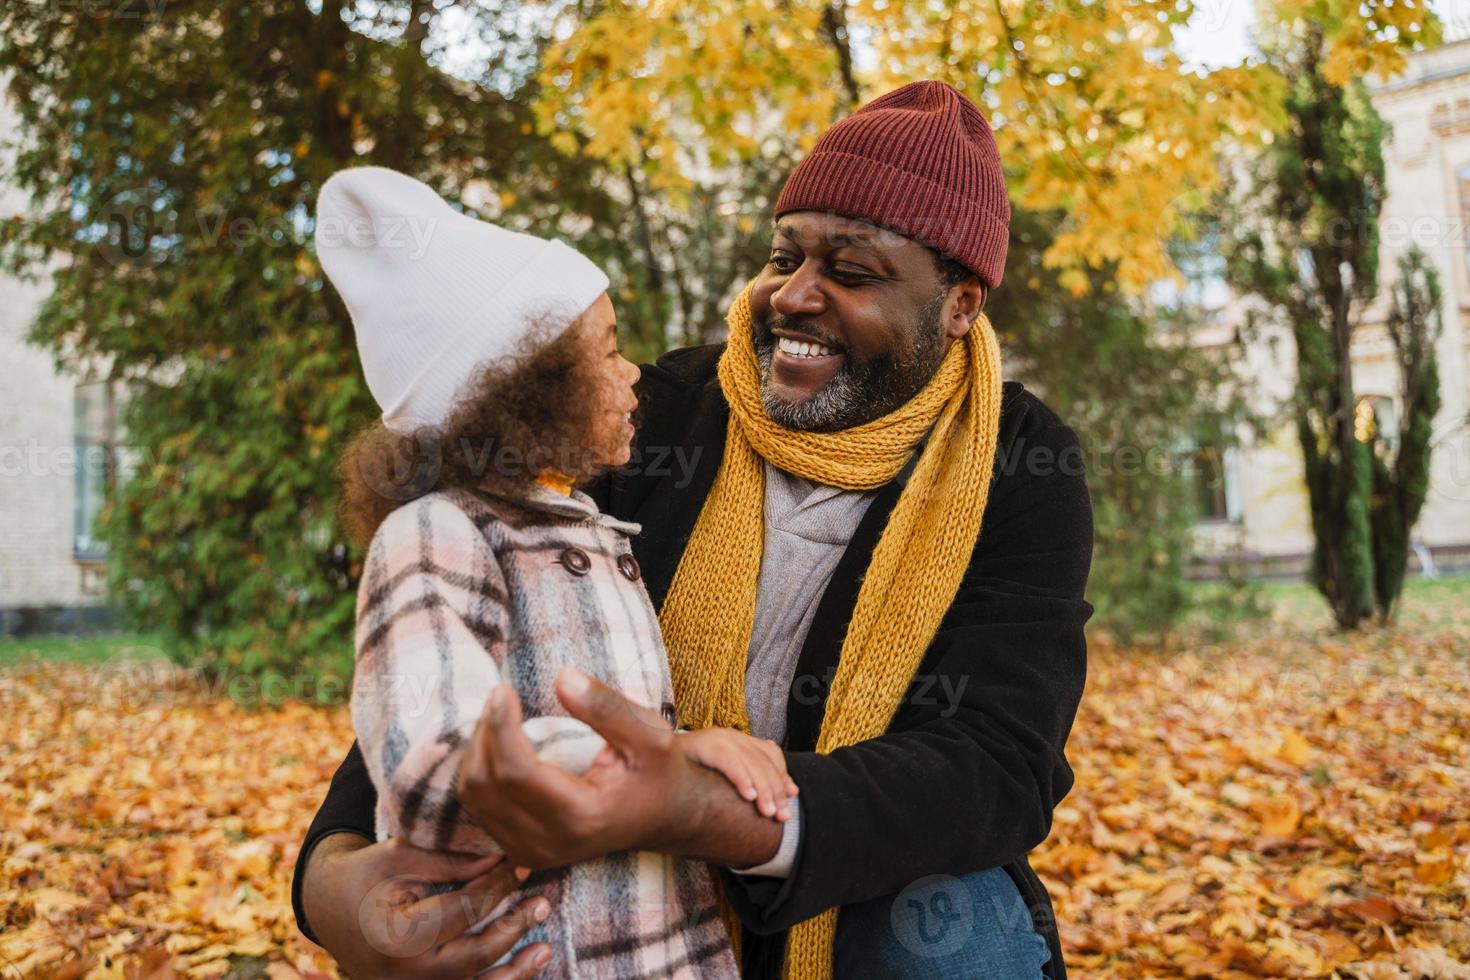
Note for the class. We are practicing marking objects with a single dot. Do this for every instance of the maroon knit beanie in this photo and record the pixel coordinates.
(920, 161)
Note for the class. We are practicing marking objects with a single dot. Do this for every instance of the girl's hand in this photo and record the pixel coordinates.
(755, 766)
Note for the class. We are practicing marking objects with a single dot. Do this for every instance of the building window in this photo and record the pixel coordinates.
(1216, 476)
(95, 439)
(1376, 421)
(1201, 265)
(1462, 185)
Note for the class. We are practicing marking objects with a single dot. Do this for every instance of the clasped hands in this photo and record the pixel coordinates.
(649, 788)
(375, 907)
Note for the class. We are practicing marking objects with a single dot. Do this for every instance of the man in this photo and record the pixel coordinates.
(877, 560)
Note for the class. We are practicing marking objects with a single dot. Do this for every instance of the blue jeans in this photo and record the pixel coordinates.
(976, 927)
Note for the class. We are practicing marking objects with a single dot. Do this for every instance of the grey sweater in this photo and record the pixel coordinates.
(807, 527)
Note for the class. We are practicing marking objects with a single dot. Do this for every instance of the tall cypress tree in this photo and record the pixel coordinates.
(1306, 242)
(1401, 473)
(1318, 190)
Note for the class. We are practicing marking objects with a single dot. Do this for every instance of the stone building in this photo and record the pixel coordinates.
(54, 441)
(1257, 501)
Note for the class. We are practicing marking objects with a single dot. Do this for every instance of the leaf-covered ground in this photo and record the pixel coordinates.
(148, 829)
(1283, 806)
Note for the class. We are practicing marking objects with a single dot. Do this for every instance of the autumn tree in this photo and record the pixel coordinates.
(1093, 112)
(1306, 242)
(1107, 140)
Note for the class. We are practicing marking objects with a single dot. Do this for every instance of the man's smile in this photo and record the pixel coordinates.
(801, 363)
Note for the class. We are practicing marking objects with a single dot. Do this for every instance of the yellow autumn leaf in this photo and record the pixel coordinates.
(1294, 749)
(1280, 816)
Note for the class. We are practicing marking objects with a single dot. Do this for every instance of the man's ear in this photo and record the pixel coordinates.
(966, 300)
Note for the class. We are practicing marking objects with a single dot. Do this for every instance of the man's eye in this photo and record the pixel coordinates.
(783, 263)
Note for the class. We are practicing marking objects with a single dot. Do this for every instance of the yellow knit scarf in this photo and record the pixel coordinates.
(912, 579)
(556, 480)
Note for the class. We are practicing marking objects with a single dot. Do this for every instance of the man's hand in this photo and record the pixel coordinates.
(371, 908)
(641, 793)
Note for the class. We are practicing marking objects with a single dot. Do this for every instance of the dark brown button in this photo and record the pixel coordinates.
(628, 565)
(576, 561)
(668, 712)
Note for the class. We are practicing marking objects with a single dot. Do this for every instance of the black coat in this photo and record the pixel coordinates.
(972, 765)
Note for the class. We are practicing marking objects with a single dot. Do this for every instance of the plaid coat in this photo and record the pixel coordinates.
(462, 590)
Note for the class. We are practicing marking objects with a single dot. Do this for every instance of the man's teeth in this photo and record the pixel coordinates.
(801, 348)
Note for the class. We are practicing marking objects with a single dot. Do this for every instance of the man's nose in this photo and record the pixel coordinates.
(800, 294)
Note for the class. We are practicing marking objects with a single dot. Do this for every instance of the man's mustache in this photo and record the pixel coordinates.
(776, 321)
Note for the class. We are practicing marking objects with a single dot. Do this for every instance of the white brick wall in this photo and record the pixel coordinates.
(36, 466)
(36, 469)
(1426, 207)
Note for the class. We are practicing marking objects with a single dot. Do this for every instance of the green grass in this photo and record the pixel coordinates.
(90, 650)
(1217, 613)
(1426, 604)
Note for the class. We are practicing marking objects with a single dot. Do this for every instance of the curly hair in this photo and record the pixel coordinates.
(514, 421)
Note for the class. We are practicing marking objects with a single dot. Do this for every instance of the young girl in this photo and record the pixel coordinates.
(494, 358)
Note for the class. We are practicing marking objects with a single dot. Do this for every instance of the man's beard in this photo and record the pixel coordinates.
(861, 391)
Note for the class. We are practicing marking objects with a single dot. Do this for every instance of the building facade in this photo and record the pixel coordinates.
(1255, 496)
(55, 437)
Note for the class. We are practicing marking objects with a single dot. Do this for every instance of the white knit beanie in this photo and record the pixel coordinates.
(435, 295)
